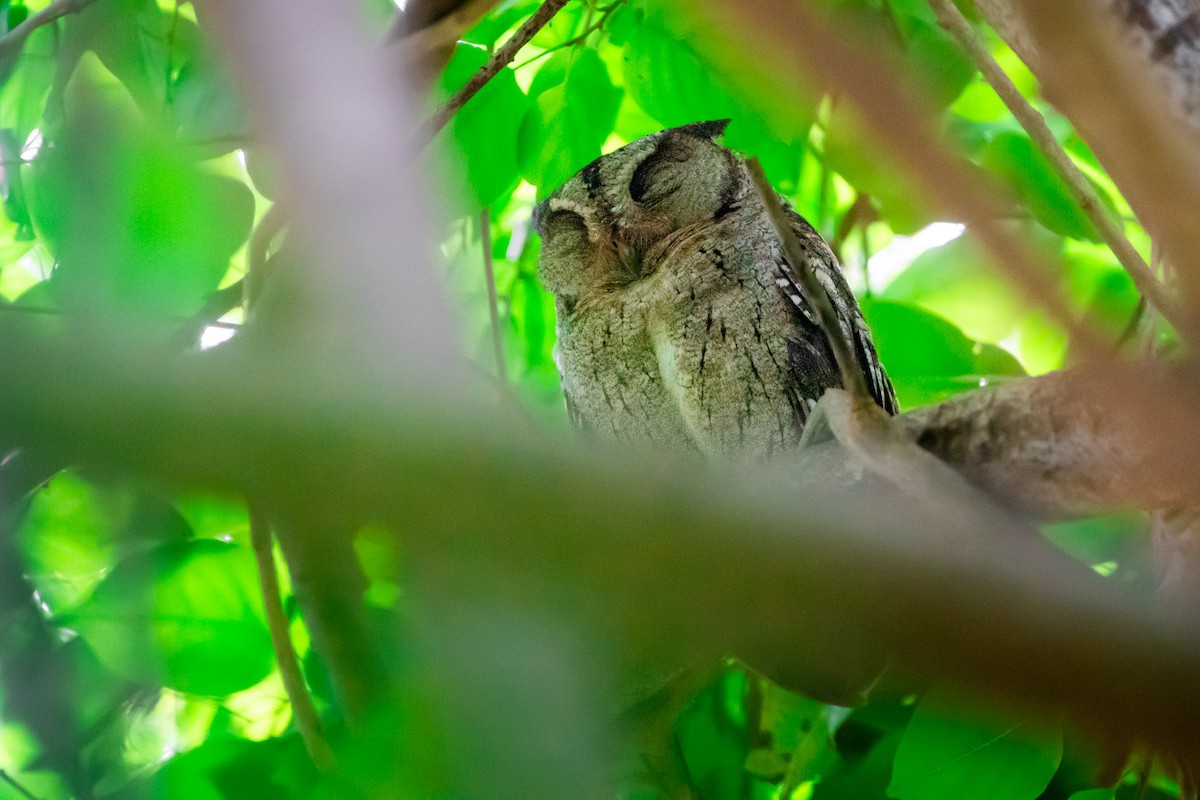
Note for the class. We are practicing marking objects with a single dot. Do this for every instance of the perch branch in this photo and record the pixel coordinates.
(806, 277)
(499, 60)
(303, 710)
(1085, 194)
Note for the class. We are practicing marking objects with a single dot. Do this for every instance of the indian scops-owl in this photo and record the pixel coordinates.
(680, 322)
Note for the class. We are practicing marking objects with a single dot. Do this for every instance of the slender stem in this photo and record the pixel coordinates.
(15, 784)
(14, 40)
(806, 277)
(303, 710)
(1035, 125)
(502, 58)
(485, 233)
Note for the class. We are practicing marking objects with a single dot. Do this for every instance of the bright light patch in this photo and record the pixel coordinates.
(214, 335)
(400, 4)
(32, 146)
(902, 251)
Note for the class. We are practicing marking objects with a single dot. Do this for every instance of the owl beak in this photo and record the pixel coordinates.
(630, 258)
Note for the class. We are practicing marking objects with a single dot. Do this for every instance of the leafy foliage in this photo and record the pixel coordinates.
(131, 180)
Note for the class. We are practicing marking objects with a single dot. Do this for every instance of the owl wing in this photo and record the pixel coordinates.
(850, 317)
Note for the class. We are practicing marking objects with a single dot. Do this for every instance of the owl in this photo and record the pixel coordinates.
(680, 321)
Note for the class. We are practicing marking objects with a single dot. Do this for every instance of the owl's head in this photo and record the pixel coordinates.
(608, 226)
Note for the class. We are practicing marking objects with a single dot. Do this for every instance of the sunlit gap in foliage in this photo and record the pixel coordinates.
(888, 263)
(214, 335)
(32, 146)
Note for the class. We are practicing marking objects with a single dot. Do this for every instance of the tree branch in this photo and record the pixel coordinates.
(13, 41)
(1085, 195)
(303, 710)
(499, 60)
(1106, 93)
(1005, 616)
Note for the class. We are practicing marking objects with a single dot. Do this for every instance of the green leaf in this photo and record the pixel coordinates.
(1014, 158)
(206, 106)
(952, 281)
(937, 62)
(138, 227)
(184, 614)
(480, 143)
(23, 93)
(948, 754)
(672, 82)
(67, 537)
(929, 359)
(574, 111)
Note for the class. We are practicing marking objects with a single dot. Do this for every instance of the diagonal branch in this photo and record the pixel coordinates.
(501, 59)
(898, 121)
(1107, 94)
(1085, 194)
(14, 40)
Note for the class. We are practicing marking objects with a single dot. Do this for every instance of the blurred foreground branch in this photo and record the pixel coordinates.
(1006, 616)
(800, 41)
(1110, 229)
(1121, 112)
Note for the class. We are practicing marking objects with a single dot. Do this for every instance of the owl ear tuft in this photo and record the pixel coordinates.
(713, 129)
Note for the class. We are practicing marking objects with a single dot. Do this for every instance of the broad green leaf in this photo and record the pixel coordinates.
(1014, 158)
(936, 62)
(206, 108)
(1094, 794)
(947, 753)
(929, 359)
(68, 538)
(1107, 538)
(712, 737)
(573, 112)
(480, 143)
(138, 227)
(952, 280)
(229, 768)
(186, 615)
(23, 93)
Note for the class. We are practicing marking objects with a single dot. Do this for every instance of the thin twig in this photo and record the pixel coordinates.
(303, 710)
(1035, 125)
(806, 277)
(14, 40)
(485, 233)
(502, 58)
(15, 784)
(605, 13)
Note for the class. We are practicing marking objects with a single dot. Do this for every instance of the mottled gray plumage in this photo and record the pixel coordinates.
(679, 321)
